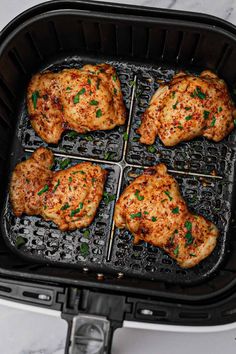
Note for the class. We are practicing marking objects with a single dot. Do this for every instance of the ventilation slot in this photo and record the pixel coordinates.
(16, 60)
(33, 45)
(92, 36)
(52, 29)
(199, 40)
(226, 52)
(194, 315)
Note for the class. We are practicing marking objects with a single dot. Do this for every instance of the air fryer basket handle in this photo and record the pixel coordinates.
(89, 334)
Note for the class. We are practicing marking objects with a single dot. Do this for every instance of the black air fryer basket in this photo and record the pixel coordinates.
(100, 275)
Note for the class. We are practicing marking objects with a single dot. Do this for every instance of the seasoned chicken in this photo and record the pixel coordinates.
(83, 100)
(153, 210)
(187, 107)
(28, 179)
(69, 198)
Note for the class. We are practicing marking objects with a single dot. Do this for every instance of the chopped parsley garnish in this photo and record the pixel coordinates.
(77, 96)
(114, 78)
(82, 172)
(197, 92)
(68, 88)
(115, 91)
(213, 122)
(98, 113)
(63, 164)
(176, 251)
(93, 180)
(70, 179)
(192, 255)
(180, 127)
(108, 197)
(45, 189)
(154, 218)
(151, 149)
(146, 212)
(220, 109)
(20, 241)
(139, 197)
(189, 238)
(109, 155)
(89, 81)
(206, 114)
(65, 206)
(84, 249)
(72, 134)
(93, 103)
(188, 117)
(168, 195)
(175, 105)
(55, 188)
(175, 210)
(173, 94)
(188, 225)
(125, 136)
(171, 239)
(86, 233)
(76, 211)
(88, 138)
(137, 215)
(34, 97)
(235, 122)
(187, 108)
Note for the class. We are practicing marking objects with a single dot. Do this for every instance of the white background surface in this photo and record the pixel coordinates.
(23, 332)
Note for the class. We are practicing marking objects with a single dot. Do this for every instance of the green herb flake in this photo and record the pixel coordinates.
(93, 103)
(98, 113)
(34, 97)
(187, 108)
(86, 233)
(154, 218)
(188, 118)
(72, 134)
(151, 149)
(137, 215)
(70, 179)
(65, 206)
(82, 172)
(98, 84)
(84, 249)
(115, 91)
(175, 210)
(173, 94)
(146, 212)
(198, 93)
(68, 88)
(93, 180)
(235, 122)
(76, 211)
(125, 136)
(213, 122)
(56, 186)
(77, 96)
(188, 225)
(180, 127)
(189, 238)
(45, 189)
(114, 78)
(139, 197)
(206, 114)
(168, 195)
(89, 81)
(64, 163)
(175, 105)
(108, 197)
(20, 241)
(192, 255)
(176, 251)
(171, 239)
(220, 109)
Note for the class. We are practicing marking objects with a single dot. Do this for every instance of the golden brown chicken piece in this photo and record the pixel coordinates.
(152, 208)
(187, 107)
(68, 197)
(83, 100)
(28, 179)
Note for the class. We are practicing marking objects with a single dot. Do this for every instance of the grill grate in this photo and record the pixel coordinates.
(110, 249)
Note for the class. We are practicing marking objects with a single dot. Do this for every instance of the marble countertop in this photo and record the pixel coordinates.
(24, 332)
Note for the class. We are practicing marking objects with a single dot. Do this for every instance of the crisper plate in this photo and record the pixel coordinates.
(107, 248)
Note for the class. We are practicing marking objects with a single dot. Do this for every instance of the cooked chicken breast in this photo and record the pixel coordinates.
(28, 179)
(153, 210)
(187, 107)
(83, 100)
(69, 198)
(74, 195)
